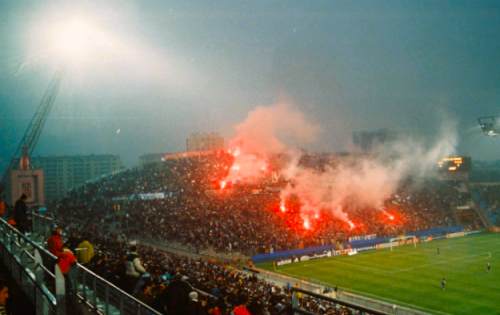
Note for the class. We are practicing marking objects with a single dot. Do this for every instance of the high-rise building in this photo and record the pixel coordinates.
(204, 142)
(62, 173)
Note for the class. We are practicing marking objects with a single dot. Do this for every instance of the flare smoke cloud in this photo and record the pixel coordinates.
(363, 180)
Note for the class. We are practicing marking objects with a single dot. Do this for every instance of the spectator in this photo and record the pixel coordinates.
(133, 268)
(4, 296)
(55, 242)
(21, 214)
(195, 307)
(66, 260)
(177, 297)
(241, 309)
(85, 251)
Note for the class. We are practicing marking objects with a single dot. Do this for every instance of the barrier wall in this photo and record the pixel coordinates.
(438, 231)
(357, 244)
(290, 253)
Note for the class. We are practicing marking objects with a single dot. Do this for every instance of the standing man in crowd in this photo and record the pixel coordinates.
(55, 242)
(133, 268)
(21, 214)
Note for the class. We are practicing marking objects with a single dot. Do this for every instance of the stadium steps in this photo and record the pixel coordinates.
(482, 216)
(480, 207)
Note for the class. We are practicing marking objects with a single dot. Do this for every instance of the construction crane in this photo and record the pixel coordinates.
(34, 130)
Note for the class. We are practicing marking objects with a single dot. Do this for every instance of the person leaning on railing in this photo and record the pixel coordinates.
(66, 260)
(85, 251)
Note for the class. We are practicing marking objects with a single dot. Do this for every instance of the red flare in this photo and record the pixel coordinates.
(307, 225)
(351, 225)
(282, 207)
(223, 184)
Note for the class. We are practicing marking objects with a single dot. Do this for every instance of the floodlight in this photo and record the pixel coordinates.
(74, 40)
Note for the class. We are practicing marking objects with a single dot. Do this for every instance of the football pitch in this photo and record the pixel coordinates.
(412, 276)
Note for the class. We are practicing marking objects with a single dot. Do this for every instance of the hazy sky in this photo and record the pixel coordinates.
(183, 66)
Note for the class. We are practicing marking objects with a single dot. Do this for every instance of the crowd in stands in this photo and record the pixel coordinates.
(181, 202)
(194, 212)
(175, 284)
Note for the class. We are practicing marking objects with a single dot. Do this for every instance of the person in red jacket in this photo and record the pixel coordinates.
(66, 260)
(55, 242)
(241, 309)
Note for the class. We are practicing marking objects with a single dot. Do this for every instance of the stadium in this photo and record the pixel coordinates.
(267, 220)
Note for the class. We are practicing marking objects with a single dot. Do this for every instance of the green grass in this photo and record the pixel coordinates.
(411, 276)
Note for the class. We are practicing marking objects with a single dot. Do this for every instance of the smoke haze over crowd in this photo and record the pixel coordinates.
(365, 180)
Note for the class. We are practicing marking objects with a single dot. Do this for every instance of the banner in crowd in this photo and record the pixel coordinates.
(456, 234)
(145, 196)
(357, 244)
(329, 253)
(288, 254)
(362, 237)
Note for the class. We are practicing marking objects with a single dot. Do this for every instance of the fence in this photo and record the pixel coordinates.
(341, 297)
(31, 266)
(103, 296)
(331, 302)
(22, 258)
(41, 227)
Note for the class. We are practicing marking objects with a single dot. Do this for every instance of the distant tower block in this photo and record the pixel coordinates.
(29, 182)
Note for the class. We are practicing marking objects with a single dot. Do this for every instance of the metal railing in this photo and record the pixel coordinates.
(343, 295)
(31, 264)
(104, 296)
(42, 227)
(22, 258)
(333, 302)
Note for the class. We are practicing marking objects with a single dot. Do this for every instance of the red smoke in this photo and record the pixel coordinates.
(363, 182)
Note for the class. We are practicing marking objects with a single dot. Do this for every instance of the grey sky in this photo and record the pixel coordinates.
(201, 66)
